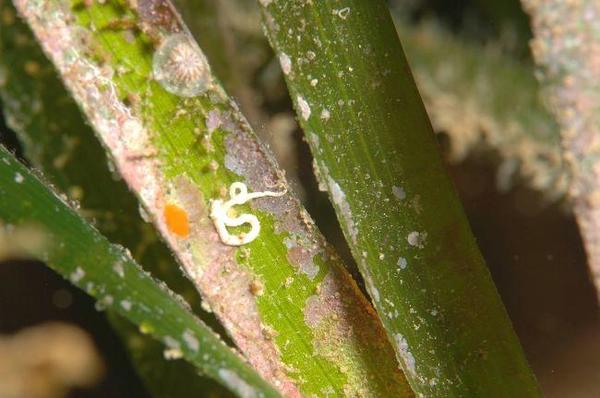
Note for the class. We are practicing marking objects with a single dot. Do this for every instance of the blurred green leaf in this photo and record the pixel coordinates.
(107, 272)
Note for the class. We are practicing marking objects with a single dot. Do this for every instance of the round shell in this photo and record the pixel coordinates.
(180, 67)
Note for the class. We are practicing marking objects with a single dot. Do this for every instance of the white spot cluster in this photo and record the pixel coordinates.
(325, 114)
(126, 304)
(18, 178)
(304, 108)
(180, 67)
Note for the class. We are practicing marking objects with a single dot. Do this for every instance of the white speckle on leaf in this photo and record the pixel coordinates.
(325, 114)
(417, 239)
(314, 140)
(104, 302)
(399, 192)
(320, 180)
(18, 178)
(404, 352)
(171, 342)
(285, 62)
(126, 304)
(118, 268)
(144, 214)
(191, 340)
(134, 136)
(77, 275)
(237, 384)
(339, 199)
(304, 108)
(402, 263)
(214, 120)
(314, 82)
(373, 291)
(172, 353)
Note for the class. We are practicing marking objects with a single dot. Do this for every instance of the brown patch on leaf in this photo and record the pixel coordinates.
(337, 314)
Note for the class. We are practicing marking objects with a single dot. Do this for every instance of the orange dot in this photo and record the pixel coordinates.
(177, 220)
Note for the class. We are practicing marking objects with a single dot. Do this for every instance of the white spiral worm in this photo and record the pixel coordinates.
(219, 209)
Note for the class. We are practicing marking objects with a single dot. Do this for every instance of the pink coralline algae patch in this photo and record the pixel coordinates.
(246, 157)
